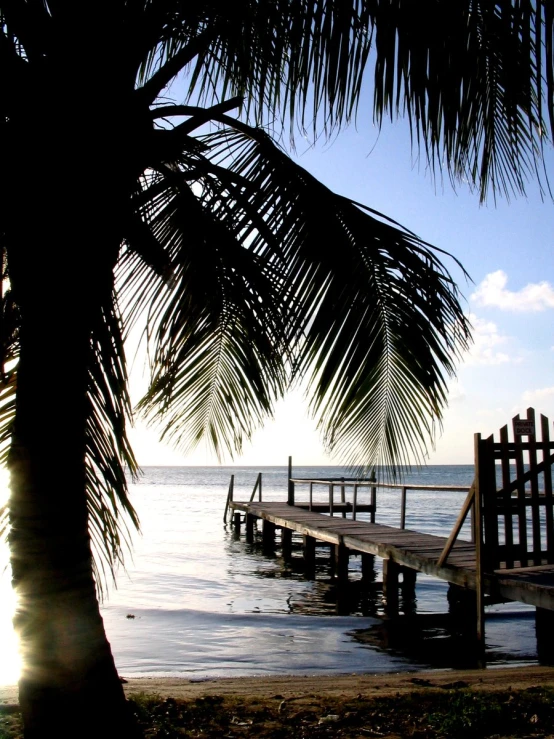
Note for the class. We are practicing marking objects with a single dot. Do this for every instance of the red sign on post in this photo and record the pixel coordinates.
(524, 428)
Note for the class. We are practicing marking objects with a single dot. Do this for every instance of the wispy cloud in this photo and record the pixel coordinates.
(487, 343)
(544, 394)
(456, 392)
(532, 298)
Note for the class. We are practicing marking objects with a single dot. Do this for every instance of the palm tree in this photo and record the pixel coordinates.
(117, 204)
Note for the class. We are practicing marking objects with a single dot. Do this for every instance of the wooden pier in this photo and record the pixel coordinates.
(510, 556)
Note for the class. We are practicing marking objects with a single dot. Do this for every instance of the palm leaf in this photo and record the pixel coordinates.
(108, 452)
(276, 274)
(473, 77)
(469, 76)
(375, 315)
(216, 370)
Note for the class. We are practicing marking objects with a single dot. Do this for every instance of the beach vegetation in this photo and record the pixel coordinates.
(430, 714)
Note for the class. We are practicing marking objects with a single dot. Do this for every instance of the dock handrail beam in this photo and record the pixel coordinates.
(258, 487)
(468, 503)
(229, 497)
(342, 482)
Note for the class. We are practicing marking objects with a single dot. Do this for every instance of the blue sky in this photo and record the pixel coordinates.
(506, 248)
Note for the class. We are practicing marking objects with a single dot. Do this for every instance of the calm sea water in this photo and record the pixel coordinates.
(195, 601)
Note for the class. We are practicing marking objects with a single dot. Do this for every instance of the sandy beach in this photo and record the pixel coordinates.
(347, 686)
(307, 687)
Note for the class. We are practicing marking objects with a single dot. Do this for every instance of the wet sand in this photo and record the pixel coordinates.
(302, 687)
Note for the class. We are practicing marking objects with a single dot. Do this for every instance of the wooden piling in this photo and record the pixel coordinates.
(342, 556)
(409, 579)
(268, 535)
(391, 570)
(250, 527)
(290, 497)
(286, 544)
(544, 625)
(309, 555)
(368, 567)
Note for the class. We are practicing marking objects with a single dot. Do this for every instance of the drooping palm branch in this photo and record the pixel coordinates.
(308, 284)
(475, 78)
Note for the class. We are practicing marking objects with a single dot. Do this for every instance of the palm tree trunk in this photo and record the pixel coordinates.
(62, 248)
(69, 685)
(64, 189)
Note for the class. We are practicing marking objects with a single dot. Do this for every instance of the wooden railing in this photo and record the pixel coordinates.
(342, 505)
(230, 493)
(343, 483)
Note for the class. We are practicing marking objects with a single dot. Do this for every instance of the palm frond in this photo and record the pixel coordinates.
(216, 370)
(373, 315)
(474, 78)
(108, 453)
(470, 76)
(278, 278)
(285, 57)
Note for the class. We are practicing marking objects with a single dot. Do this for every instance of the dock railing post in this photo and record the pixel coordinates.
(229, 498)
(403, 509)
(258, 487)
(373, 497)
(480, 450)
(290, 499)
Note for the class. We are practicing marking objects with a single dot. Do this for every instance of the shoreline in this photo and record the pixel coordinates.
(299, 687)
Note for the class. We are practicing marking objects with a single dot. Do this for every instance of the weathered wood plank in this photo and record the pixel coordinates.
(522, 512)
(535, 507)
(406, 548)
(508, 507)
(549, 502)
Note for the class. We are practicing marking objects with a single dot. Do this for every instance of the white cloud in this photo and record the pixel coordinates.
(533, 297)
(456, 392)
(545, 394)
(486, 343)
(541, 399)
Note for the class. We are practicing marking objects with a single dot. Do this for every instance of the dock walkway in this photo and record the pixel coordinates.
(404, 548)
(510, 504)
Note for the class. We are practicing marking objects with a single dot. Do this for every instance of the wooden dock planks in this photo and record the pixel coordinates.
(413, 549)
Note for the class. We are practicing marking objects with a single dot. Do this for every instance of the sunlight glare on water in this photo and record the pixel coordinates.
(10, 664)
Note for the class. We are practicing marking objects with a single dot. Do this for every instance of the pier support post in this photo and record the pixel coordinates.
(462, 604)
(342, 556)
(391, 571)
(286, 543)
(368, 567)
(309, 556)
(290, 496)
(462, 608)
(409, 579)
(236, 522)
(544, 624)
(250, 524)
(408, 604)
(268, 535)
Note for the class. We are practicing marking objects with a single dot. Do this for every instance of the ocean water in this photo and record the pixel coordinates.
(196, 601)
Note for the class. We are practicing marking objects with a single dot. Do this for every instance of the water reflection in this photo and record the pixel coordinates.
(435, 639)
